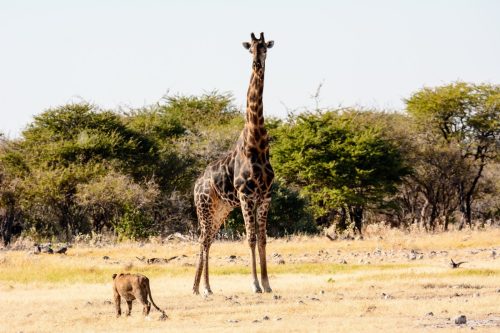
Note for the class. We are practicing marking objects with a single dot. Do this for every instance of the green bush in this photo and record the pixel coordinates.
(134, 224)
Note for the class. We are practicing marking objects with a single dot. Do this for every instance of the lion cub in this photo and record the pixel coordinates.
(130, 287)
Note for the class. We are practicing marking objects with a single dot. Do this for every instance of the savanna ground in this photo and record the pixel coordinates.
(392, 282)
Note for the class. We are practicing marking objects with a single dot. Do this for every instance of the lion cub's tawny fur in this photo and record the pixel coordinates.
(130, 287)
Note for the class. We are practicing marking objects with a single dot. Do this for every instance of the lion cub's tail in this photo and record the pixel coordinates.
(153, 302)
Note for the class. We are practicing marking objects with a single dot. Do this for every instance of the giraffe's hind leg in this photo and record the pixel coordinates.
(205, 218)
(219, 213)
(199, 269)
(204, 202)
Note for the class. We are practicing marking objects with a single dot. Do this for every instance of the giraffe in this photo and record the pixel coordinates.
(241, 178)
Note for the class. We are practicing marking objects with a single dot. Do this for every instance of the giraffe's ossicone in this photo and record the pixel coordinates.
(242, 178)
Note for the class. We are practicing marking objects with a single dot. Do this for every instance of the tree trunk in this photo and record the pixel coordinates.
(432, 217)
(446, 221)
(356, 213)
(342, 222)
(423, 211)
(6, 227)
(467, 198)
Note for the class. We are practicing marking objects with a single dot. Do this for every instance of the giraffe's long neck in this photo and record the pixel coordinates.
(254, 113)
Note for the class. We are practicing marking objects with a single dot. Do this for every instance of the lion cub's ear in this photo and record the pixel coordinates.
(114, 275)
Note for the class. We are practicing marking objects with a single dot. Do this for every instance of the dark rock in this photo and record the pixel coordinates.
(62, 250)
(461, 320)
(387, 296)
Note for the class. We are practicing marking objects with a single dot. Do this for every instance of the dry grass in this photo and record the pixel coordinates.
(53, 293)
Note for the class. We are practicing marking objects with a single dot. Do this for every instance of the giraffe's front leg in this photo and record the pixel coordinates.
(262, 210)
(248, 210)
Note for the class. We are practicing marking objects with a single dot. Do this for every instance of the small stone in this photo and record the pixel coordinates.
(278, 319)
(314, 299)
(231, 257)
(461, 320)
(266, 318)
(429, 314)
(256, 321)
(107, 302)
(493, 254)
(276, 296)
(105, 258)
(233, 321)
(387, 296)
(477, 294)
(300, 302)
(322, 292)
(343, 261)
(281, 261)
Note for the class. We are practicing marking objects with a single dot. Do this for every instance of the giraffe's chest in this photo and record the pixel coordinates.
(254, 178)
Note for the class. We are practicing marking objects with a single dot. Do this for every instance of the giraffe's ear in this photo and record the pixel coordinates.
(270, 44)
(246, 45)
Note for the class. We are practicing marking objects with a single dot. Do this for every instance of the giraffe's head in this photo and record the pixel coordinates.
(258, 49)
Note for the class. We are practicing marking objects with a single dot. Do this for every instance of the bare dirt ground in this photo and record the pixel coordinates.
(394, 283)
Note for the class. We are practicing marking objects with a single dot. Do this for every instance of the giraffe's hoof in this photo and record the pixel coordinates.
(257, 290)
(207, 292)
(268, 290)
(196, 292)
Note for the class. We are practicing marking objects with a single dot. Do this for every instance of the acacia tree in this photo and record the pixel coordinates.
(466, 116)
(343, 166)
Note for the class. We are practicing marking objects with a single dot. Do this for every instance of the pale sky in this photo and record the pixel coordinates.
(130, 53)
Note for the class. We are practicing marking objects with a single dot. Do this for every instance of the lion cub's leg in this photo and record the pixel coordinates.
(143, 298)
(129, 305)
(117, 303)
